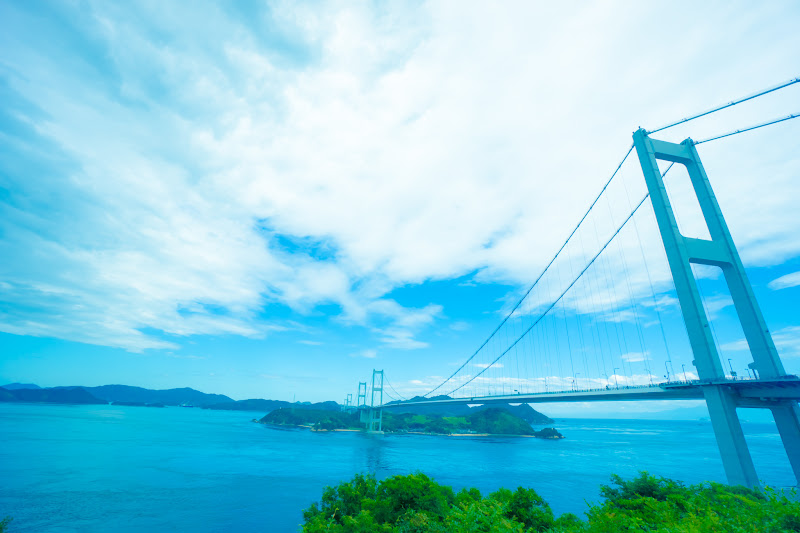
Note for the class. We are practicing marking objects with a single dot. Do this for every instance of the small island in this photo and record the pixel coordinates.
(493, 421)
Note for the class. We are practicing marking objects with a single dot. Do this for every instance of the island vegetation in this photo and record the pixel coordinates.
(416, 503)
(523, 410)
(492, 421)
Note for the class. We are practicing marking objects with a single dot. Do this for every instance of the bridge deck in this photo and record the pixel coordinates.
(749, 390)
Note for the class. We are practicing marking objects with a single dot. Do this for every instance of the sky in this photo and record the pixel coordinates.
(272, 199)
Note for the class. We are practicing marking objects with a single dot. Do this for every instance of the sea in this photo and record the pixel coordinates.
(111, 468)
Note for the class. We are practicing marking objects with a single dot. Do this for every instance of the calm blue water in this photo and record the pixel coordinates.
(101, 468)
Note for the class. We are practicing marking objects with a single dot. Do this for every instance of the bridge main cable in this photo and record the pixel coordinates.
(582, 272)
(749, 128)
(533, 285)
(727, 105)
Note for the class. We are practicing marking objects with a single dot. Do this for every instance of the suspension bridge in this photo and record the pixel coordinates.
(626, 310)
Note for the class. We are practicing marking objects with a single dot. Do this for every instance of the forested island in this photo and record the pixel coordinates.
(492, 421)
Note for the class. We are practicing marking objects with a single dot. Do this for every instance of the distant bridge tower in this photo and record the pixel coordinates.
(375, 421)
(720, 251)
(361, 401)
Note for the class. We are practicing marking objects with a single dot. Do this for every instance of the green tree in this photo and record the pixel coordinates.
(484, 516)
(466, 496)
(417, 492)
(660, 505)
(417, 504)
(345, 499)
(526, 507)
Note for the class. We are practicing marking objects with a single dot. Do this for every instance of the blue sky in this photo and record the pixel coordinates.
(270, 199)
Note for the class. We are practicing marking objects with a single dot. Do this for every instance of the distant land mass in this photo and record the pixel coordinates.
(18, 386)
(69, 396)
(493, 421)
(116, 394)
(265, 406)
(182, 396)
(523, 411)
(127, 395)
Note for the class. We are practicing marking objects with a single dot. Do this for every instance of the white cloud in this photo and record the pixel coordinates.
(367, 354)
(635, 357)
(420, 144)
(784, 282)
(787, 342)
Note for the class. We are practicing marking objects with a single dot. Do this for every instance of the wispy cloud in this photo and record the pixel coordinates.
(635, 357)
(787, 342)
(784, 282)
(367, 354)
(148, 180)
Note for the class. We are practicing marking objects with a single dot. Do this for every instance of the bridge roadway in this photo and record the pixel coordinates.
(749, 393)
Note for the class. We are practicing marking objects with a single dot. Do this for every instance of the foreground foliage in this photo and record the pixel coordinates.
(416, 504)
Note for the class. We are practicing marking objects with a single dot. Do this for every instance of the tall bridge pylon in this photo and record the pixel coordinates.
(372, 415)
(720, 252)
(361, 401)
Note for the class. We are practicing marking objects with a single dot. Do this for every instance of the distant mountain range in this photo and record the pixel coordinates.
(18, 386)
(39, 395)
(128, 395)
(123, 394)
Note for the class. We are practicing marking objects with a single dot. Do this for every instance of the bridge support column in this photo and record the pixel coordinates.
(787, 418)
(719, 251)
(736, 460)
(375, 424)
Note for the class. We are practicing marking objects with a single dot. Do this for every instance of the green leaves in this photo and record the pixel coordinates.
(417, 504)
(417, 492)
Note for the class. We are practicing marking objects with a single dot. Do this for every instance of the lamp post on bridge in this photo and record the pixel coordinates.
(683, 367)
(733, 374)
(616, 382)
(575, 381)
(667, 367)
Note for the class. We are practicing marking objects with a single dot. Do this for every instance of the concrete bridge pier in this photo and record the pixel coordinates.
(787, 418)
